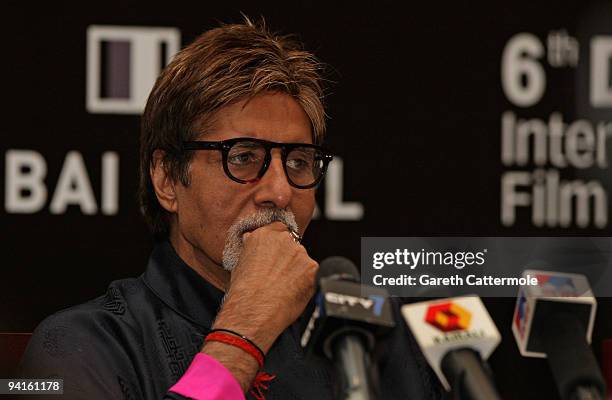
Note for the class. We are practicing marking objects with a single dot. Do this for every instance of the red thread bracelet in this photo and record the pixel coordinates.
(240, 336)
(234, 339)
(237, 342)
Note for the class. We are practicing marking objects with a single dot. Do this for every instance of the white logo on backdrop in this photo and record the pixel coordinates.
(142, 61)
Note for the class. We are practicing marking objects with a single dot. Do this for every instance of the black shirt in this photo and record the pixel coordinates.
(139, 338)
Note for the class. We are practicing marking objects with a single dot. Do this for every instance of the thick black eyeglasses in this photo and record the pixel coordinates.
(247, 159)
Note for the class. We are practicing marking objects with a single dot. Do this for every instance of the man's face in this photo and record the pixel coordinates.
(207, 208)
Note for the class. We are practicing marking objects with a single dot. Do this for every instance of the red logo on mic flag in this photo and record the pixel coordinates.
(448, 317)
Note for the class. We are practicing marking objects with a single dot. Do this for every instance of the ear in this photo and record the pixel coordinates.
(162, 183)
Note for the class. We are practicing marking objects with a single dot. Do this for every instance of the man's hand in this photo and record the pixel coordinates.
(269, 289)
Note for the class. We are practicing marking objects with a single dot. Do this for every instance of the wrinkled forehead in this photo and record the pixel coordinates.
(275, 117)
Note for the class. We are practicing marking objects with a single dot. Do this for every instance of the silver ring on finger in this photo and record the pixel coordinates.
(295, 236)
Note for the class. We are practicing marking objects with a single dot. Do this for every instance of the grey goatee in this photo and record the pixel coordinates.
(233, 244)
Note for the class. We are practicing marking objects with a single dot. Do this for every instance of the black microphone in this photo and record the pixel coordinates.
(554, 319)
(343, 327)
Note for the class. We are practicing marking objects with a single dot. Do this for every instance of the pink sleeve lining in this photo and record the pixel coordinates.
(208, 379)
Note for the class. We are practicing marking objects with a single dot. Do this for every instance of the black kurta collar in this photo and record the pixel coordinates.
(180, 287)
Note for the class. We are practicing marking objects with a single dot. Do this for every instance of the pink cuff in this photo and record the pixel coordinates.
(208, 379)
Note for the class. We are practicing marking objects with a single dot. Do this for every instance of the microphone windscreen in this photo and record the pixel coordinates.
(339, 267)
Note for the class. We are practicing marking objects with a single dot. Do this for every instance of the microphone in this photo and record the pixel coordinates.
(456, 336)
(554, 320)
(344, 325)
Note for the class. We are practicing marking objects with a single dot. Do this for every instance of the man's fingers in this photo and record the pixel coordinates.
(275, 226)
(278, 226)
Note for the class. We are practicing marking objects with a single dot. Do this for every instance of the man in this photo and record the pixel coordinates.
(230, 160)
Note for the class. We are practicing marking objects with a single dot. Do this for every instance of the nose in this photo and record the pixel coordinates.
(273, 189)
